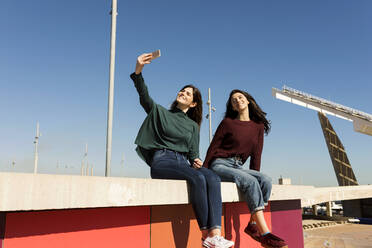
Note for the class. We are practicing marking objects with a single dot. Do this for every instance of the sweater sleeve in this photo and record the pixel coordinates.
(145, 100)
(215, 144)
(194, 146)
(255, 163)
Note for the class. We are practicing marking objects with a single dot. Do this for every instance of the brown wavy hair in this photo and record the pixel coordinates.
(255, 112)
(195, 113)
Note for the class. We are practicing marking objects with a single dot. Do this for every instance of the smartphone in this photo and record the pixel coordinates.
(156, 54)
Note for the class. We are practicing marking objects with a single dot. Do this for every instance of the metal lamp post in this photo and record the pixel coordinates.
(111, 89)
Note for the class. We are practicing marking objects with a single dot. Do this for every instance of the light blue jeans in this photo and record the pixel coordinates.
(255, 186)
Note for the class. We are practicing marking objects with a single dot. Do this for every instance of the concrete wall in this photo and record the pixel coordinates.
(20, 191)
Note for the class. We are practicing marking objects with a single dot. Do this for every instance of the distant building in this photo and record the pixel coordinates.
(284, 181)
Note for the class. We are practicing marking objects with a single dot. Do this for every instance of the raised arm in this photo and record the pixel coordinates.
(143, 60)
(255, 163)
(145, 99)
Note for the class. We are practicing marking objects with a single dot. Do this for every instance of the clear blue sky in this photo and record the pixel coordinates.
(54, 66)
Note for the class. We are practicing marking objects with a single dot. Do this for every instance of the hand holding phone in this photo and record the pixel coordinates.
(156, 54)
(144, 59)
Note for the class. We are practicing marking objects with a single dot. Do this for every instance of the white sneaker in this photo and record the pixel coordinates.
(217, 242)
(227, 243)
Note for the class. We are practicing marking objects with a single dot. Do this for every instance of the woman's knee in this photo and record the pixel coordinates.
(211, 175)
(246, 182)
(266, 180)
(198, 180)
(213, 180)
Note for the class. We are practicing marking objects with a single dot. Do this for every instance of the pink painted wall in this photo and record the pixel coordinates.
(286, 219)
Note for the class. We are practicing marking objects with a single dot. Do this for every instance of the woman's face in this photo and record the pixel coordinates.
(239, 102)
(186, 97)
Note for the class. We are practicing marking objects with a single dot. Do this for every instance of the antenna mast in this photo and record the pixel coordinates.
(209, 115)
(122, 160)
(85, 159)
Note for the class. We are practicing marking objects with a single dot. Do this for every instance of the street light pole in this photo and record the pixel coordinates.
(111, 89)
(36, 142)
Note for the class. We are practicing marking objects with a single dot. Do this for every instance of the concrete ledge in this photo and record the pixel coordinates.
(19, 191)
(311, 195)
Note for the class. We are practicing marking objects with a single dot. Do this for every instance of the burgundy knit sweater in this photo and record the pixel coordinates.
(237, 138)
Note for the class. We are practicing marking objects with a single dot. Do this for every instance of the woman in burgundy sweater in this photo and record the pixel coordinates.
(239, 136)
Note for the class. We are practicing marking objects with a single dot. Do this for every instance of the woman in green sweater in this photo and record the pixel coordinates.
(168, 141)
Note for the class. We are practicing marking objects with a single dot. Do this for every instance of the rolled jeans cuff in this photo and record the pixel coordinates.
(210, 228)
(214, 227)
(258, 209)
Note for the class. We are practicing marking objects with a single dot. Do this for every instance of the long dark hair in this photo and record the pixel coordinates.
(195, 113)
(255, 112)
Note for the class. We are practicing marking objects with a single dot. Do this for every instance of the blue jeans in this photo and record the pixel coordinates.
(205, 186)
(255, 186)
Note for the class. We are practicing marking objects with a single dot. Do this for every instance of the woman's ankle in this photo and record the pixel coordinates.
(214, 232)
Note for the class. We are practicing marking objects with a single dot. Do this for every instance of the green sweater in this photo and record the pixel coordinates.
(163, 128)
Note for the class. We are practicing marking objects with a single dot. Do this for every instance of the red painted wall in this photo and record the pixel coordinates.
(171, 226)
(2, 228)
(102, 227)
(175, 227)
